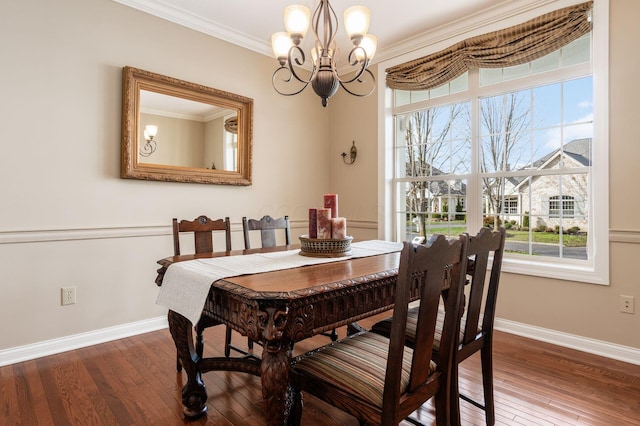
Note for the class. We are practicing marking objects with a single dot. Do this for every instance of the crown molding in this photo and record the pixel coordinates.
(506, 11)
(197, 23)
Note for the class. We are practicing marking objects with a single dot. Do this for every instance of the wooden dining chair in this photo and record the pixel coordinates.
(203, 229)
(378, 379)
(267, 227)
(476, 324)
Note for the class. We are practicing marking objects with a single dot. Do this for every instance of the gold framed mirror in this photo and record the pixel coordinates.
(174, 130)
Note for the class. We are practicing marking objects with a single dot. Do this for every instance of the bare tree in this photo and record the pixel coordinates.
(428, 149)
(505, 120)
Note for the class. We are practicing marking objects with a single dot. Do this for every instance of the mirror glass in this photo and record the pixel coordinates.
(179, 131)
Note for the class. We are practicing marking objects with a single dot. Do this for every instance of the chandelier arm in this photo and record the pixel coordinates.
(287, 80)
(353, 61)
(292, 70)
(373, 86)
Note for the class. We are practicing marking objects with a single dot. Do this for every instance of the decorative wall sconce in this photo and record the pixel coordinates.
(150, 132)
(353, 153)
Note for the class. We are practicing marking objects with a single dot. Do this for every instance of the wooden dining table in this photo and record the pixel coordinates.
(277, 309)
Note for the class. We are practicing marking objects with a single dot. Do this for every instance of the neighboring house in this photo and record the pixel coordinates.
(438, 197)
(553, 200)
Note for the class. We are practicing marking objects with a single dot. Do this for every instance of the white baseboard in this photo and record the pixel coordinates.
(63, 344)
(584, 344)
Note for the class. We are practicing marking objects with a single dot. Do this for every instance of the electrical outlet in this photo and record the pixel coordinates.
(626, 304)
(68, 295)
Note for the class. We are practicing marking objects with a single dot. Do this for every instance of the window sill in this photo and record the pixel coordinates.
(560, 269)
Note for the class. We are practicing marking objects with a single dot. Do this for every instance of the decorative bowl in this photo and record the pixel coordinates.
(318, 247)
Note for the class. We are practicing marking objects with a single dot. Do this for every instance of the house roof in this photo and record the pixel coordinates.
(578, 149)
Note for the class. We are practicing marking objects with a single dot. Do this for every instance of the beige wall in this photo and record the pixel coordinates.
(68, 219)
(354, 119)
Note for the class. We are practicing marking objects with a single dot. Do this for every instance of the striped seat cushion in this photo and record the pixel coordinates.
(356, 364)
(384, 327)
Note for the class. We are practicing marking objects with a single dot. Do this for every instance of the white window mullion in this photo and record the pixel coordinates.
(474, 183)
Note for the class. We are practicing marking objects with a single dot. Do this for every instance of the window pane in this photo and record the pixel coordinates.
(439, 91)
(575, 153)
(505, 128)
(461, 157)
(517, 71)
(578, 101)
(577, 52)
(490, 76)
(419, 95)
(401, 97)
(546, 106)
(460, 84)
(425, 137)
(432, 207)
(546, 63)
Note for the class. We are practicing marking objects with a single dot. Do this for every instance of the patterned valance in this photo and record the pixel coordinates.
(508, 47)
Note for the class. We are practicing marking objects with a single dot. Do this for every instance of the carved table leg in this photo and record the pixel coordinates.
(276, 363)
(194, 395)
(275, 384)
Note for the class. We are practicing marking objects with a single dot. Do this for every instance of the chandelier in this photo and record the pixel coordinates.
(290, 79)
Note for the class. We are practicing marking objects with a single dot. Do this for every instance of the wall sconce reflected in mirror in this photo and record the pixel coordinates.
(150, 132)
(353, 153)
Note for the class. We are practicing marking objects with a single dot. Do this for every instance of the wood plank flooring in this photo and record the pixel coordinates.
(133, 382)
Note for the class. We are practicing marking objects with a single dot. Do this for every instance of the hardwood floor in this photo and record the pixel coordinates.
(133, 382)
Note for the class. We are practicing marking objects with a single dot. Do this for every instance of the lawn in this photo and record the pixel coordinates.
(548, 238)
(457, 227)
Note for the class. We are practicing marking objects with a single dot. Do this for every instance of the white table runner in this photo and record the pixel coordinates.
(186, 285)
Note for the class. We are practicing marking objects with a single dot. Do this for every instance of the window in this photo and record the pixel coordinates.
(510, 205)
(511, 146)
(561, 206)
(519, 133)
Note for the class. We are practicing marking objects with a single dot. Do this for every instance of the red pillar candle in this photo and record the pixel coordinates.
(338, 228)
(324, 224)
(313, 223)
(331, 202)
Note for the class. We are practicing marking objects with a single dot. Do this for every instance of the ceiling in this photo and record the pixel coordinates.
(250, 23)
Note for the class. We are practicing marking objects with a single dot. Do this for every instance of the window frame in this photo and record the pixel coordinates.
(596, 269)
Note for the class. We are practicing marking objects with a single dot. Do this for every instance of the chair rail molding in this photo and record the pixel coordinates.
(106, 232)
(624, 236)
(51, 235)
